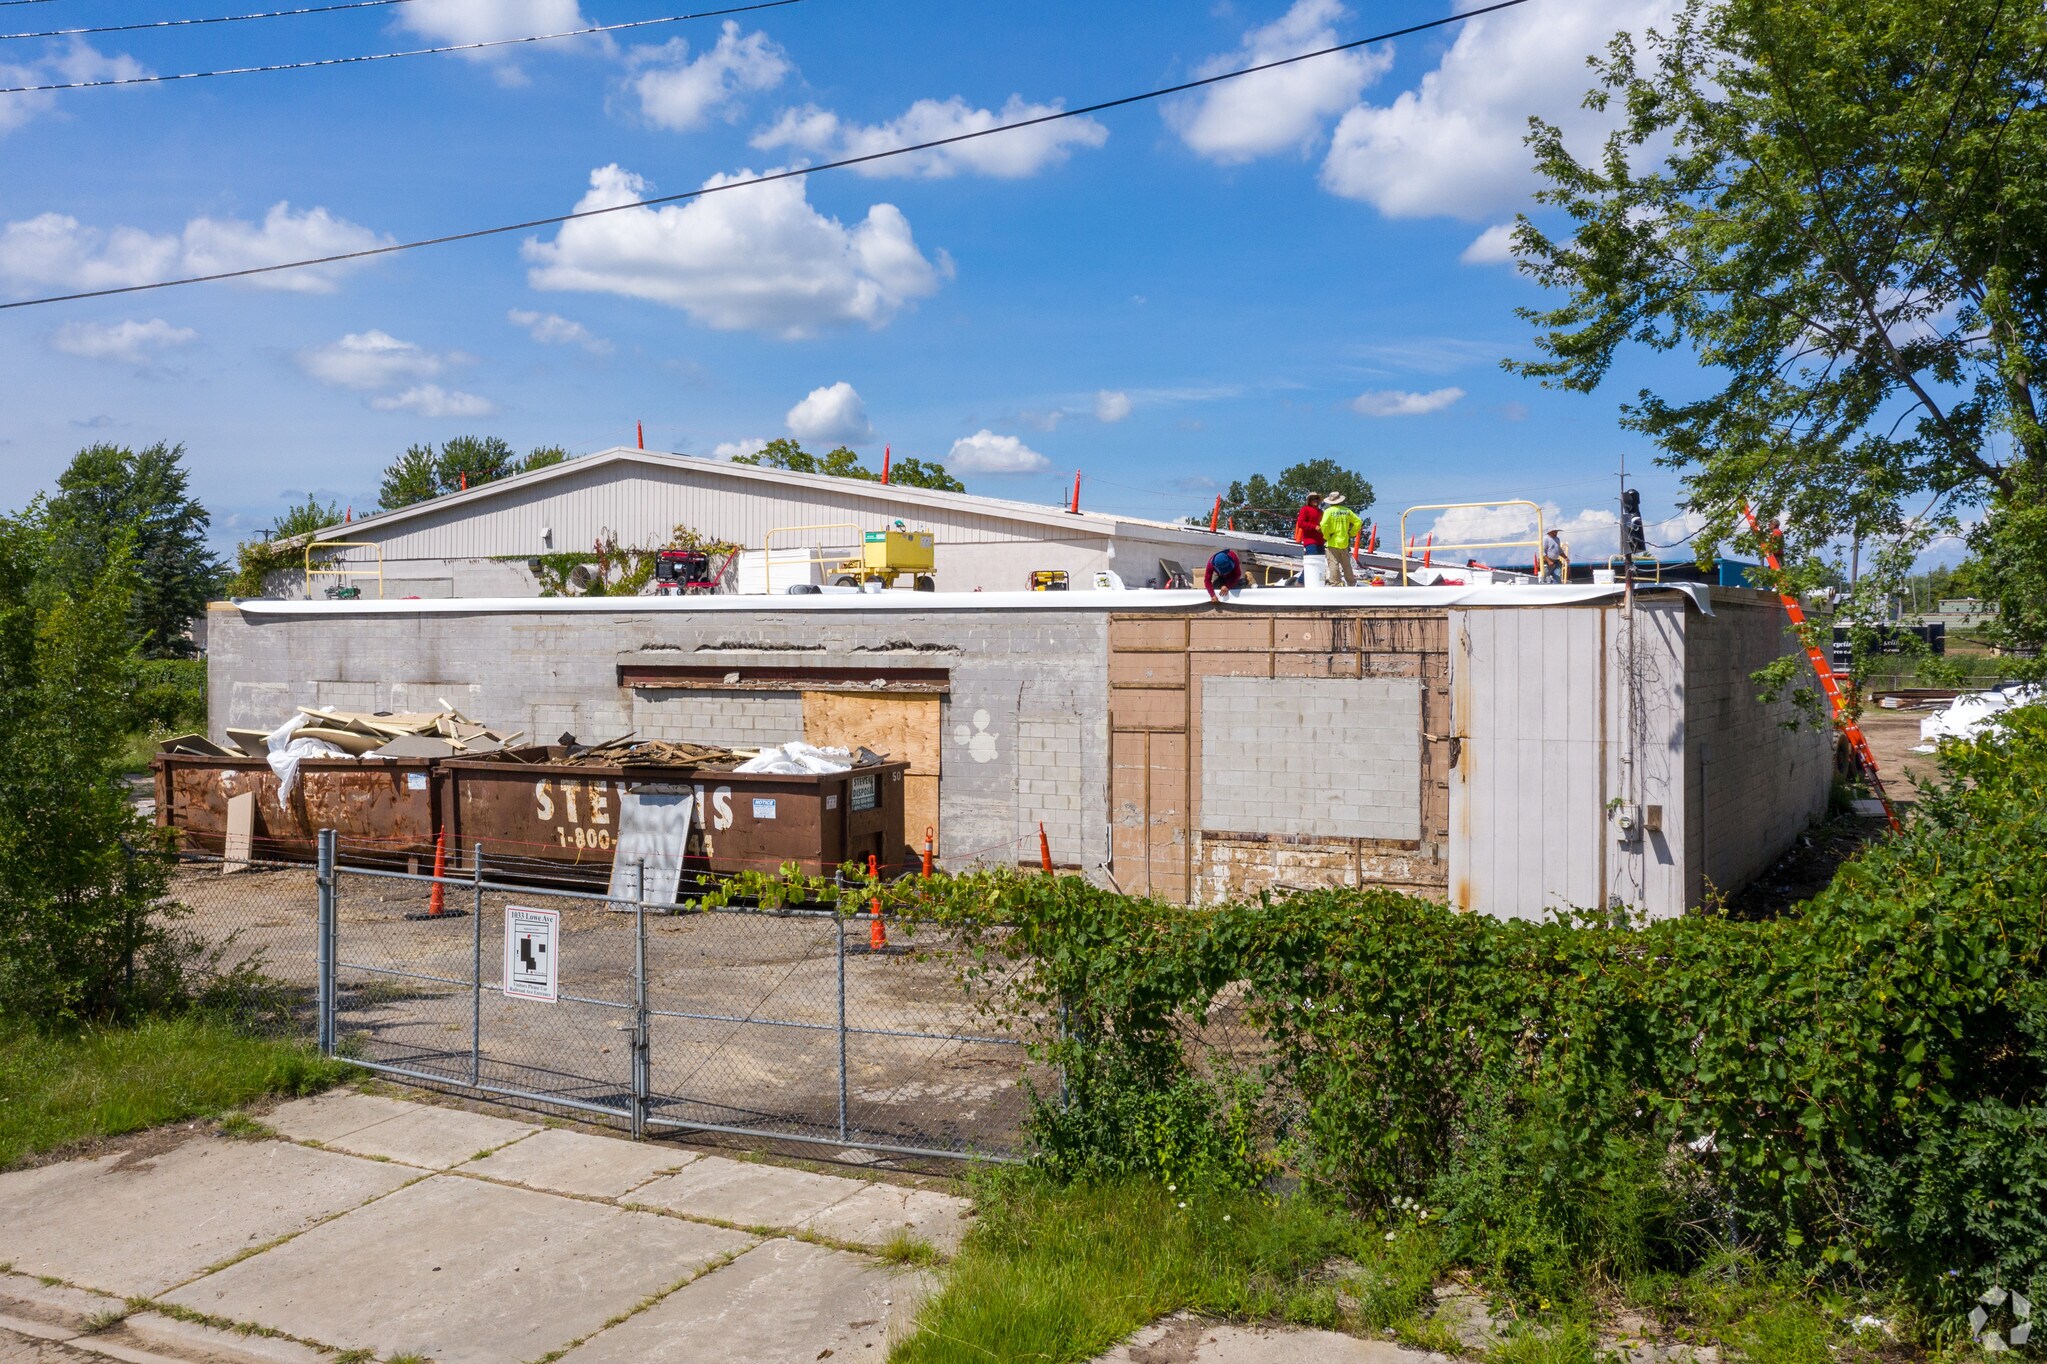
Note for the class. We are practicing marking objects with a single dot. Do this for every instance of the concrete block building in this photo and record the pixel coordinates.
(1510, 750)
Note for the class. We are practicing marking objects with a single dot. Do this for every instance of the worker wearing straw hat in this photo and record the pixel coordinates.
(1340, 526)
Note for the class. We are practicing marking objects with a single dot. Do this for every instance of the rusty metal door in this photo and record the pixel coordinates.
(1528, 775)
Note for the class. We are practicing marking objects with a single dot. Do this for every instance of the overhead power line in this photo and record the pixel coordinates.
(556, 219)
(186, 23)
(388, 56)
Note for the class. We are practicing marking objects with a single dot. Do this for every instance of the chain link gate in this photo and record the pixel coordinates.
(767, 1023)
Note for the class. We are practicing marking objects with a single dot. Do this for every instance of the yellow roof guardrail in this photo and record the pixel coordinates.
(816, 551)
(345, 574)
(1535, 544)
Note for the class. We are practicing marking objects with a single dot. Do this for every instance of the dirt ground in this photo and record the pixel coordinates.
(1892, 735)
(744, 1009)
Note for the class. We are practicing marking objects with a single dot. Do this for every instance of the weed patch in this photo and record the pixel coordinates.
(61, 1087)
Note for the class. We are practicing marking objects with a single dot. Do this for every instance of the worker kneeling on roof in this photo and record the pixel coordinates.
(1224, 574)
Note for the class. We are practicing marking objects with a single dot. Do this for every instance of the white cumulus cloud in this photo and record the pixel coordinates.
(366, 361)
(140, 344)
(1494, 246)
(80, 61)
(1453, 145)
(394, 374)
(1284, 109)
(484, 21)
(552, 329)
(55, 249)
(1592, 533)
(1111, 406)
(680, 94)
(984, 452)
(1394, 402)
(733, 449)
(1009, 156)
(431, 400)
(753, 259)
(837, 415)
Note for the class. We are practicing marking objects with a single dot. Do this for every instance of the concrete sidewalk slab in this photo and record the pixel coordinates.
(580, 1163)
(460, 1270)
(338, 1112)
(1187, 1339)
(881, 1212)
(782, 1301)
(747, 1194)
(159, 1335)
(23, 1296)
(432, 1138)
(139, 1225)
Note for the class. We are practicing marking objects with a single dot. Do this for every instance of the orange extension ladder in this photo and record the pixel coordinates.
(1858, 744)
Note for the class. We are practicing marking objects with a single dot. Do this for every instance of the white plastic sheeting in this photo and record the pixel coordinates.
(286, 753)
(653, 832)
(1969, 714)
(798, 759)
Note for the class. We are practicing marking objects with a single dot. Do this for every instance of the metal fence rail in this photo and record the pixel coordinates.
(772, 1023)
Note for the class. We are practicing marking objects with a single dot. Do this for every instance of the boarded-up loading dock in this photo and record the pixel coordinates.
(1511, 750)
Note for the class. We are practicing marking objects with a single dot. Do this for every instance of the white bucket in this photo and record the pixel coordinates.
(1603, 577)
(1313, 569)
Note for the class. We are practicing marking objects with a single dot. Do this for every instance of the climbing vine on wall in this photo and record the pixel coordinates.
(609, 569)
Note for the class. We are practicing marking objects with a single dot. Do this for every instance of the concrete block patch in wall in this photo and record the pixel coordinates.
(1312, 757)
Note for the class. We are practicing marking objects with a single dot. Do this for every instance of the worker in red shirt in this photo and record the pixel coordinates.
(1308, 534)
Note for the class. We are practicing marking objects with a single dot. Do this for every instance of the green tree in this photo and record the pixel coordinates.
(81, 882)
(1262, 506)
(1841, 212)
(111, 494)
(910, 472)
(423, 472)
(410, 478)
(259, 563)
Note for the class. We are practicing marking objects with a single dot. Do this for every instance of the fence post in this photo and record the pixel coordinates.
(839, 937)
(323, 947)
(641, 1040)
(475, 964)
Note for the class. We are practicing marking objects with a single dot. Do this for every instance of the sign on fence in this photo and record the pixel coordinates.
(533, 953)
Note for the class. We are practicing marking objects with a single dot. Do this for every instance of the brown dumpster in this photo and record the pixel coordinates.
(559, 818)
(380, 809)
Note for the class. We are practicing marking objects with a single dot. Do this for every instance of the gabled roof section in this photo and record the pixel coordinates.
(911, 498)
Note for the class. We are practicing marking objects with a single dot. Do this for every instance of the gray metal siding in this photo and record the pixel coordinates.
(1528, 791)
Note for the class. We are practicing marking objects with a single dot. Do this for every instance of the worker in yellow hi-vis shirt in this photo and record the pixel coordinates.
(1340, 526)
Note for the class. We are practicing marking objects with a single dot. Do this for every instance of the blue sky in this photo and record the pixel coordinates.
(1166, 298)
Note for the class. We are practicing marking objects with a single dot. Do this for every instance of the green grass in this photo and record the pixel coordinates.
(58, 1088)
(1055, 1274)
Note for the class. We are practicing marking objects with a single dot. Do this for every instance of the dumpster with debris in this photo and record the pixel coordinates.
(555, 811)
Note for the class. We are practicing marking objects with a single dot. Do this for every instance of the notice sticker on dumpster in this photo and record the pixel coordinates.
(866, 793)
(415, 781)
(533, 954)
(763, 809)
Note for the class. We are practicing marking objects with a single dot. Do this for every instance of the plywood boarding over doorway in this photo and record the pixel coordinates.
(904, 726)
(1164, 842)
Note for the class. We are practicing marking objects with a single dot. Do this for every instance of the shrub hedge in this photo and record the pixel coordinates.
(1858, 1087)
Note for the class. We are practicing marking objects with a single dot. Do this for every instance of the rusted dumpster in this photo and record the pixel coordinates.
(564, 819)
(380, 809)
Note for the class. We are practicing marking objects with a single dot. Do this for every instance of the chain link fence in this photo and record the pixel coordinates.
(248, 933)
(790, 1024)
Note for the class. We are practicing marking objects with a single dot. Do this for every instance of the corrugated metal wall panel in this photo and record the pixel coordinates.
(1527, 798)
(642, 504)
